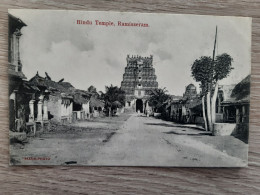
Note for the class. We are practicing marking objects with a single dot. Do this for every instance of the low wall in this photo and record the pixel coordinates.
(223, 128)
(239, 131)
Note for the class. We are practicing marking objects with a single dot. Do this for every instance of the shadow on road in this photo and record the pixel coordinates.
(179, 126)
(192, 134)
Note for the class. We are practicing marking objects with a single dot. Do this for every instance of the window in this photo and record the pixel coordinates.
(139, 77)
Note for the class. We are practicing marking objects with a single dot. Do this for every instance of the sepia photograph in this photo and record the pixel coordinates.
(102, 88)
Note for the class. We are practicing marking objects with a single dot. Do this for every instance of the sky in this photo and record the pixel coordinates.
(87, 55)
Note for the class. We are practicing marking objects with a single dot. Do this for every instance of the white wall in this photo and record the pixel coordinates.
(66, 110)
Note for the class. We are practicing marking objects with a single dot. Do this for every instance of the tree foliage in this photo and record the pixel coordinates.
(208, 72)
(114, 94)
(158, 97)
(202, 71)
(92, 89)
(222, 66)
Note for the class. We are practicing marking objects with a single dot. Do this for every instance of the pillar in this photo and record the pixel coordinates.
(243, 114)
(219, 106)
(31, 106)
(224, 114)
(227, 115)
(237, 115)
(45, 111)
(12, 111)
(16, 53)
(39, 114)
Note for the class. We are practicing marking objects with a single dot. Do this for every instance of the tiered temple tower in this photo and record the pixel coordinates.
(139, 78)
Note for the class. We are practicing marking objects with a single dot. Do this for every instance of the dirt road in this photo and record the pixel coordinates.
(148, 141)
(131, 141)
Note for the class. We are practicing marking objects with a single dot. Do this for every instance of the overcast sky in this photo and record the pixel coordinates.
(96, 55)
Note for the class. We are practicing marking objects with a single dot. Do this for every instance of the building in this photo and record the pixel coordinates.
(27, 103)
(186, 109)
(233, 102)
(21, 94)
(232, 110)
(224, 93)
(96, 107)
(59, 102)
(139, 78)
(16, 76)
(81, 105)
(190, 92)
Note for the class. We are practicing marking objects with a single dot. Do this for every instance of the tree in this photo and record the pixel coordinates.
(92, 89)
(209, 72)
(114, 97)
(157, 98)
(222, 68)
(202, 72)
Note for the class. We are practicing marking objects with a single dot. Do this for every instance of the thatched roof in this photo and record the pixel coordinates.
(66, 84)
(48, 84)
(240, 94)
(94, 102)
(80, 97)
(65, 90)
(242, 89)
(27, 88)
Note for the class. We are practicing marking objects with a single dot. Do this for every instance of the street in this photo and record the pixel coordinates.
(132, 140)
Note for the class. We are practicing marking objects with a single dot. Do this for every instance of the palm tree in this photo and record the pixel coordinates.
(157, 98)
(114, 98)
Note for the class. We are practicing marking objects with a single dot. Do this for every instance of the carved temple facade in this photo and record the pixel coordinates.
(138, 80)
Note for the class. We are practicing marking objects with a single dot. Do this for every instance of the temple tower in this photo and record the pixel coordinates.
(139, 78)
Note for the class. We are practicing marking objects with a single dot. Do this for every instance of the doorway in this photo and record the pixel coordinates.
(139, 105)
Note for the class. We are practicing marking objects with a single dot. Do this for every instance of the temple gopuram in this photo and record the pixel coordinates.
(138, 80)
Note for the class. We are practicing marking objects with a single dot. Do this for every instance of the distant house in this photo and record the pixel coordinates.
(188, 108)
(59, 103)
(81, 105)
(96, 106)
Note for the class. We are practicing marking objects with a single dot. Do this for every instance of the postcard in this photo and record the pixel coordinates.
(101, 88)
